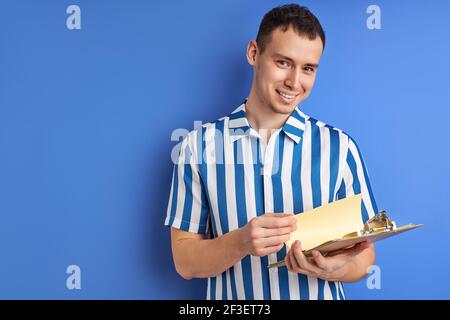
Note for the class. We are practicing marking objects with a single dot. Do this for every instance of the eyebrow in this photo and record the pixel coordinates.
(279, 55)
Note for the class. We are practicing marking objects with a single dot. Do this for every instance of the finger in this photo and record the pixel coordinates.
(270, 232)
(294, 263)
(287, 261)
(357, 249)
(281, 214)
(304, 263)
(272, 241)
(269, 250)
(366, 244)
(320, 260)
(276, 221)
(353, 250)
(336, 252)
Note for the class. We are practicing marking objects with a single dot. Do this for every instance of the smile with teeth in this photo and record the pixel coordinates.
(285, 95)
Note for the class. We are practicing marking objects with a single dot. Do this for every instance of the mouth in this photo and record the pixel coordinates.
(287, 97)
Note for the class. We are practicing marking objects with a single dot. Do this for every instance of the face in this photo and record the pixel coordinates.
(284, 73)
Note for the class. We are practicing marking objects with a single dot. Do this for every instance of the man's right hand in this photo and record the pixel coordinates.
(267, 234)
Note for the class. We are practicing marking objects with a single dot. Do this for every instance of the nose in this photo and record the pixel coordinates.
(293, 80)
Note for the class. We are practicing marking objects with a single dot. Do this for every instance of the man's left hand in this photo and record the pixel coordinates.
(333, 267)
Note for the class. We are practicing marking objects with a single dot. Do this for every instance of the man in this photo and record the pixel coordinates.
(241, 178)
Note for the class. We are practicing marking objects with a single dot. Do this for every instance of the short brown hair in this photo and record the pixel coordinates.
(300, 18)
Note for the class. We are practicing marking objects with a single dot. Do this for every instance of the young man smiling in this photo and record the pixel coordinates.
(238, 180)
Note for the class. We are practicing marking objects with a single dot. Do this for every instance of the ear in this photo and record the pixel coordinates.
(252, 52)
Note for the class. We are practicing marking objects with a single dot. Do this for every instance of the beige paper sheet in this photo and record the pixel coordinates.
(328, 222)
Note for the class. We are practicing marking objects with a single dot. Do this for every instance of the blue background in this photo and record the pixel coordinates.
(86, 118)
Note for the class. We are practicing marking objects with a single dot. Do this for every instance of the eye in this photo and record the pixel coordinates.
(309, 69)
(283, 63)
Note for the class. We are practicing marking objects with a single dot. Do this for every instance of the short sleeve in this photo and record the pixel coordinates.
(188, 206)
(356, 180)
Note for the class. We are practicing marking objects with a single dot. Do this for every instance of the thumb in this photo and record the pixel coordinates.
(360, 247)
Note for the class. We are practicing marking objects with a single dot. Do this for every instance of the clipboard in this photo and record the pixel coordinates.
(379, 227)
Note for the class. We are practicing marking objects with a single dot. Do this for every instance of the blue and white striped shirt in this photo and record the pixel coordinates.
(226, 175)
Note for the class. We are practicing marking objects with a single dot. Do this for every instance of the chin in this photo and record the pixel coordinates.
(283, 108)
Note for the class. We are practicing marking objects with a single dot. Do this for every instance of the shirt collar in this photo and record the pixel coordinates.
(239, 127)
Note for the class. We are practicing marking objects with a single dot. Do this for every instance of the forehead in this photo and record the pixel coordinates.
(295, 46)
